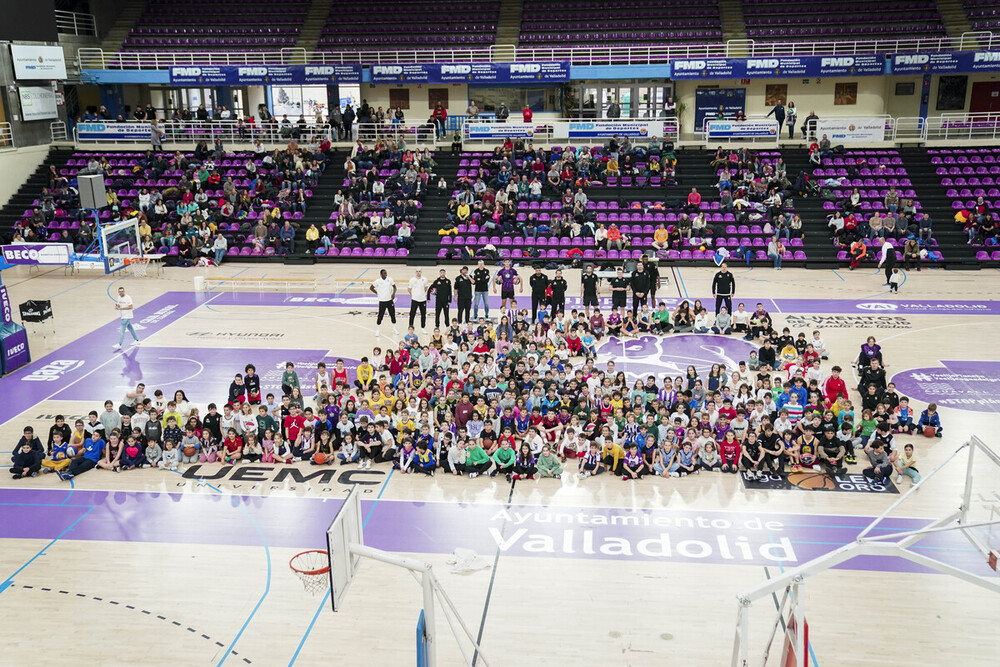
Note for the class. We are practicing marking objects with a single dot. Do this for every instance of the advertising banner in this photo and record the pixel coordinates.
(37, 103)
(38, 253)
(14, 341)
(499, 130)
(848, 130)
(711, 101)
(260, 75)
(38, 62)
(601, 129)
(731, 129)
(476, 73)
(6, 310)
(109, 131)
(946, 62)
(778, 67)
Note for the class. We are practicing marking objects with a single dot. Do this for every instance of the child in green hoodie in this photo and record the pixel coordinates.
(477, 461)
(504, 457)
(548, 463)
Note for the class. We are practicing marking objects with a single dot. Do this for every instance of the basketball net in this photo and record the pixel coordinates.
(313, 570)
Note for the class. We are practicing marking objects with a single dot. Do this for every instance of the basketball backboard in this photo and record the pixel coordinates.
(344, 530)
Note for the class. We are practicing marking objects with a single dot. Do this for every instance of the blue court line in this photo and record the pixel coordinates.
(70, 289)
(72, 488)
(6, 584)
(838, 275)
(680, 279)
(267, 587)
(326, 597)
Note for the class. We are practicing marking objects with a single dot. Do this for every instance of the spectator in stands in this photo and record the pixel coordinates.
(778, 111)
(348, 122)
(440, 116)
(809, 126)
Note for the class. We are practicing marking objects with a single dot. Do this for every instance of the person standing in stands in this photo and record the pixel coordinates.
(778, 111)
(463, 294)
(526, 113)
(440, 117)
(441, 288)
(348, 118)
(723, 288)
(385, 289)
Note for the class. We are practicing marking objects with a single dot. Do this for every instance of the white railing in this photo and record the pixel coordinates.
(961, 126)
(6, 136)
(578, 55)
(947, 127)
(57, 130)
(75, 23)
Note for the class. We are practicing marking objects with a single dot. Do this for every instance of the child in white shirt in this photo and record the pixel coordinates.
(171, 456)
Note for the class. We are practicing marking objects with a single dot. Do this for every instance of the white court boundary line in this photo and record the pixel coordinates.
(114, 356)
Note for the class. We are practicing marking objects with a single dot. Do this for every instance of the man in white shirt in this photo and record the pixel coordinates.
(125, 308)
(418, 299)
(385, 289)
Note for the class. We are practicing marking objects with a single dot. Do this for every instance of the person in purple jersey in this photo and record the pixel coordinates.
(508, 279)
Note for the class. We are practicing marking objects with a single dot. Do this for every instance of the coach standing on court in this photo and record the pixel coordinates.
(558, 286)
(463, 292)
(385, 289)
(539, 282)
(441, 288)
(619, 290)
(481, 278)
(589, 282)
(724, 288)
(418, 299)
(640, 287)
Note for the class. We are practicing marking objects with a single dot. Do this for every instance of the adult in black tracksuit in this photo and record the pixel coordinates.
(619, 290)
(558, 287)
(463, 294)
(539, 282)
(640, 287)
(724, 288)
(441, 289)
(654, 281)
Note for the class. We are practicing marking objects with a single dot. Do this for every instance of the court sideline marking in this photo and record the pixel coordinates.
(114, 356)
(326, 597)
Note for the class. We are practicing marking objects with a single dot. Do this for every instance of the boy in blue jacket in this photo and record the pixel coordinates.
(27, 461)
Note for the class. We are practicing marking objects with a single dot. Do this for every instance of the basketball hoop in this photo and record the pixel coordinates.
(139, 266)
(313, 569)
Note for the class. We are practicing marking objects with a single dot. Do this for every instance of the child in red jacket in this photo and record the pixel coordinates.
(729, 452)
(834, 387)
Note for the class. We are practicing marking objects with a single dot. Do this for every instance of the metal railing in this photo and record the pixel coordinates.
(57, 130)
(578, 55)
(75, 23)
(6, 136)
(230, 132)
(946, 127)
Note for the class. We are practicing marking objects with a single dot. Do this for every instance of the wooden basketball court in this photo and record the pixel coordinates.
(191, 568)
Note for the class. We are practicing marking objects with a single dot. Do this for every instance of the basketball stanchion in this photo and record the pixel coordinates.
(335, 569)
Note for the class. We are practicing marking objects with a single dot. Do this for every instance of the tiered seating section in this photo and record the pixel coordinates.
(810, 20)
(219, 25)
(237, 231)
(983, 14)
(970, 173)
(872, 172)
(410, 24)
(629, 23)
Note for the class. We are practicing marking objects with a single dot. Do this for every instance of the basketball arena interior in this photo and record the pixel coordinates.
(669, 332)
